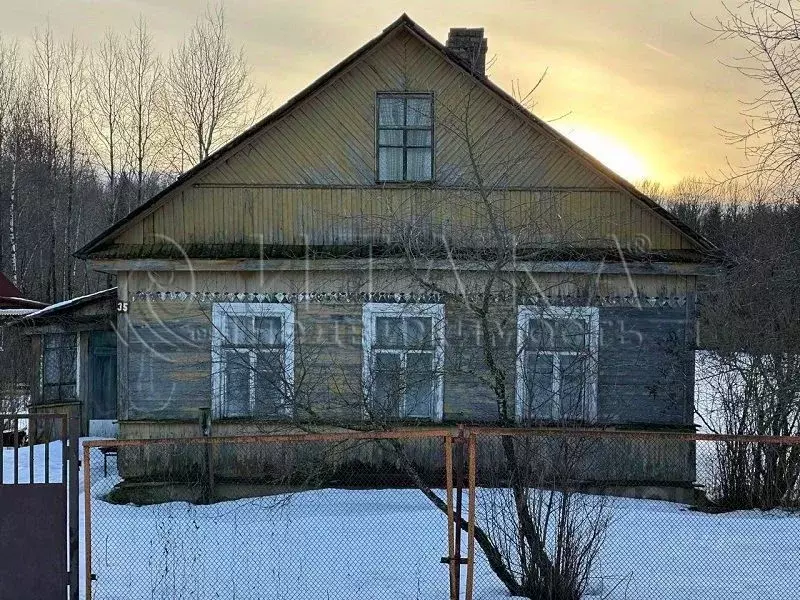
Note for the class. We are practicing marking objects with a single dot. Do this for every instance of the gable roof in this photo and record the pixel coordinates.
(403, 22)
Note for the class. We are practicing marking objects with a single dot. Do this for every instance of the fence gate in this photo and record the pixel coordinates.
(39, 508)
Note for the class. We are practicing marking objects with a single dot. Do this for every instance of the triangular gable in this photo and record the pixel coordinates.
(282, 149)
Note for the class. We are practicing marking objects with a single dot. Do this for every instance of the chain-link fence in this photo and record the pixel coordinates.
(555, 514)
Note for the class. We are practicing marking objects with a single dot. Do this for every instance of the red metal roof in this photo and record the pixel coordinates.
(11, 297)
(8, 289)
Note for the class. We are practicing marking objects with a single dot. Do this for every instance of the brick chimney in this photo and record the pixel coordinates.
(470, 46)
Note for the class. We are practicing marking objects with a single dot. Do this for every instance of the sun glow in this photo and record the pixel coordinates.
(611, 152)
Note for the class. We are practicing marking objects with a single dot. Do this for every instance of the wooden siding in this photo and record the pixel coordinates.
(296, 216)
(310, 176)
(645, 362)
(329, 139)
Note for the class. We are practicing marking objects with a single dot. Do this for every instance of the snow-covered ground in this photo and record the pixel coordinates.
(346, 544)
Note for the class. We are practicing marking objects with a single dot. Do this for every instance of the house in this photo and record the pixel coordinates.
(74, 346)
(352, 256)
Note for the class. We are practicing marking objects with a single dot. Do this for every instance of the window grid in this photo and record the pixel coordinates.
(225, 344)
(373, 311)
(59, 367)
(590, 317)
(405, 128)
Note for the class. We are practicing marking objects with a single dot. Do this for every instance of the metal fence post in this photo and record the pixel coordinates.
(448, 469)
(471, 483)
(87, 518)
(74, 526)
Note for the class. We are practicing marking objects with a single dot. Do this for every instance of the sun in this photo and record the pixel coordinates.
(610, 151)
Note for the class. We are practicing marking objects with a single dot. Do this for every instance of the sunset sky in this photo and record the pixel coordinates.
(642, 87)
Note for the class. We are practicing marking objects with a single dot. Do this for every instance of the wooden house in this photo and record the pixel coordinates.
(74, 346)
(330, 265)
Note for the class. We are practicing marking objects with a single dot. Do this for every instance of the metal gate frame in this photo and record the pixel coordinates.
(68, 436)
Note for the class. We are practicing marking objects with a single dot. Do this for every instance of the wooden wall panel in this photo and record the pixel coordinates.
(330, 216)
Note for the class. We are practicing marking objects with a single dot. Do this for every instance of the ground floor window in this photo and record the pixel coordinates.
(59, 367)
(253, 359)
(557, 363)
(404, 360)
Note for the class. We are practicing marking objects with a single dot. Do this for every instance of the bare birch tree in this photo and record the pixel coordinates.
(210, 93)
(47, 73)
(9, 73)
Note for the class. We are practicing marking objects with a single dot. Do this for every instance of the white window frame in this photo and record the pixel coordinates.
(373, 310)
(591, 316)
(220, 311)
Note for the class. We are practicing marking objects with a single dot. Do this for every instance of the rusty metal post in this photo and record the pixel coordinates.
(459, 520)
(471, 482)
(448, 485)
(87, 519)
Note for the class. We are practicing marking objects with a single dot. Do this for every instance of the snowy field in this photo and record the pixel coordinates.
(345, 544)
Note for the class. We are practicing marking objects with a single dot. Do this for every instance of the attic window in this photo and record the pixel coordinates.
(405, 137)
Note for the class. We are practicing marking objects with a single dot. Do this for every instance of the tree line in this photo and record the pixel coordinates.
(87, 134)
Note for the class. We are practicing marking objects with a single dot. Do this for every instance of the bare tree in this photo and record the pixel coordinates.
(770, 33)
(47, 73)
(143, 86)
(107, 101)
(210, 95)
(538, 535)
(9, 73)
(74, 94)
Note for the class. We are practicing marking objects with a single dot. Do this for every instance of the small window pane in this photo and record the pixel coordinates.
(418, 137)
(390, 137)
(571, 334)
(269, 330)
(388, 383)
(68, 365)
(556, 334)
(419, 332)
(52, 366)
(419, 164)
(269, 383)
(390, 111)
(388, 332)
(419, 112)
(238, 330)
(420, 385)
(539, 385)
(237, 384)
(574, 373)
(390, 164)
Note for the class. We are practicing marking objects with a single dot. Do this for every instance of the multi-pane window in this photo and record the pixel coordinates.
(59, 367)
(253, 358)
(557, 363)
(405, 137)
(403, 359)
